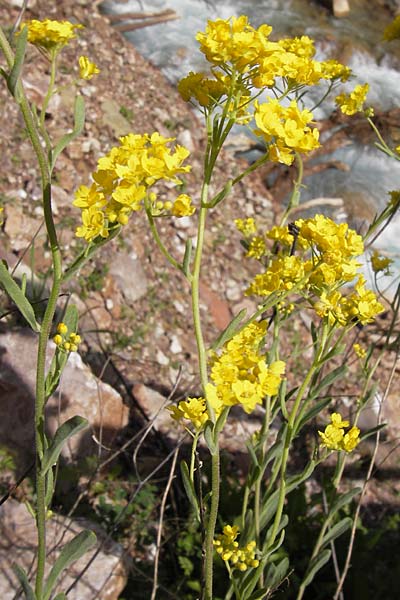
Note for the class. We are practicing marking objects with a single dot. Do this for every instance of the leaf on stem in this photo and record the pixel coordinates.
(71, 552)
(316, 564)
(79, 122)
(63, 433)
(23, 580)
(10, 286)
(20, 47)
(336, 531)
(189, 489)
(229, 331)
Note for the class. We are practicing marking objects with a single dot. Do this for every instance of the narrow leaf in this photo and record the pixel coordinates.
(314, 411)
(79, 122)
(189, 489)
(20, 47)
(23, 580)
(63, 433)
(336, 531)
(87, 254)
(229, 331)
(209, 437)
(337, 373)
(343, 500)
(316, 564)
(49, 486)
(60, 596)
(71, 552)
(277, 573)
(8, 283)
(260, 594)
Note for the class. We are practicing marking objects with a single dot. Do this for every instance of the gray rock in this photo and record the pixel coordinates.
(104, 579)
(80, 393)
(129, 277)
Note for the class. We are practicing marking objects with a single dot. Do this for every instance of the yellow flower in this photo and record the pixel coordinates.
(206, 91)
(62, 328)
(380, 263)
(246, 226)
(286, 129)
(182, 206)
(50, 34)
(335, 438)
(359, 350)
(193, 409)
(352, 103)
(86, 68)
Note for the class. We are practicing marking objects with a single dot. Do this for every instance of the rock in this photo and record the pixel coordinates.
(104, 579)
(113, 118)
(218, 308)
(19, 227)
(80, 393)
(154, 405)
(175, 346)
(129, 277)
(341, 8)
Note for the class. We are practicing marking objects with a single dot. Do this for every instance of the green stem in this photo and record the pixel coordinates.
(212, 521)
(50, 90)
(40, 400)
(290, 434)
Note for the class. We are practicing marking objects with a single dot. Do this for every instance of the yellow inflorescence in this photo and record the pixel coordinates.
(240, 374)
(335, 438)
(352, 103)
(50, 34)
(325, 260)
(122, 181)
(228, 548)
(192, 409)
(87, 68)
(66, 342)
(244, 61)
(380, 263)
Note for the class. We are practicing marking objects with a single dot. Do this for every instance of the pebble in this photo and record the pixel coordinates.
(175, 345)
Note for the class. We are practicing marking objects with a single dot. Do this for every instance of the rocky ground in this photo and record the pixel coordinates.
(134, 308)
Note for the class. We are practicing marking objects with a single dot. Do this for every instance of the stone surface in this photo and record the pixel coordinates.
(129, 277)
(104, 579)
(80, 393)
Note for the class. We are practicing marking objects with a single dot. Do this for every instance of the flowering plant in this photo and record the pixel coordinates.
(310, 265)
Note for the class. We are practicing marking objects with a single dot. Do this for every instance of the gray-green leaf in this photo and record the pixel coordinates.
(63, 433)
(8, 283)
(71, 552)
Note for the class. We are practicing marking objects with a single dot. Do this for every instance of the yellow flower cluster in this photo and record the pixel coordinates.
(65, 341)
(192, 409)
(86, 68)
(49, 34)
(360, 351)
(334, 250)
(380, 263)
(335, 438)
(122, 181)
(205, 91)
(285, 130)
(240, 373)
(244, 61)
(228, 548)
(352, 103)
